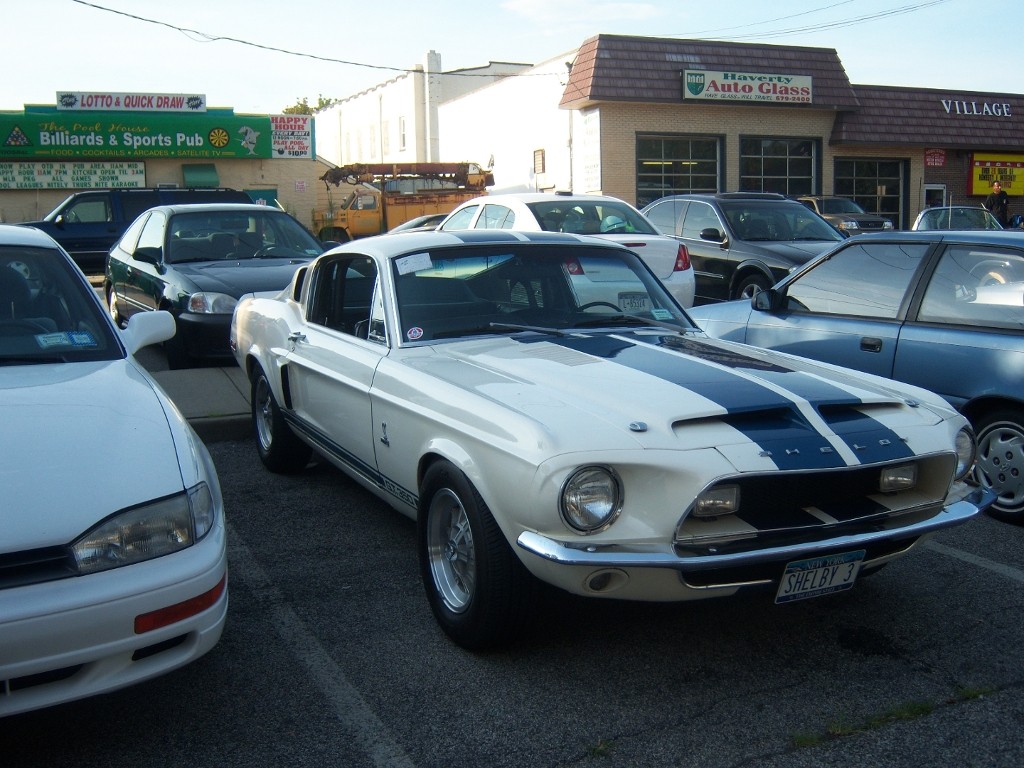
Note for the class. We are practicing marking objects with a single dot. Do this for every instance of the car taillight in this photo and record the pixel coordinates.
(682, 259)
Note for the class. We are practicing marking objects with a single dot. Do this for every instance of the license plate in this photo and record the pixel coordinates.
(634, 302)
(817, 576)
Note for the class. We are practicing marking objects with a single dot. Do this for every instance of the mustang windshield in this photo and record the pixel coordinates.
(47, 313)
(451, 293)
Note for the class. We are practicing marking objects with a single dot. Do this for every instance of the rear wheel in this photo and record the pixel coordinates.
(750, 285)
(278, 447)
(1000, 462)
(479, 592)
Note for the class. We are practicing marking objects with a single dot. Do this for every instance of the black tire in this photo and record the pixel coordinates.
(279, 448)
(480, 593)
(1000, 462)
(751, 284)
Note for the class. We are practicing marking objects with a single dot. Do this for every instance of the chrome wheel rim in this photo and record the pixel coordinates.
(262, 405)
(1000, 463)
(450, 550)
(112, 307)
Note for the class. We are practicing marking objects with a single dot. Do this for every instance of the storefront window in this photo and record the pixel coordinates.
(777, 165)
(875, 184)
(675, 165)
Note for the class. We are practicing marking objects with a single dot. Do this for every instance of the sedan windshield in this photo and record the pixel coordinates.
(449, 293)
(47, 313)
(230, 235)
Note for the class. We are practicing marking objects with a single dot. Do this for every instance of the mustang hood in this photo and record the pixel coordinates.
(664, 390)
(237, 278)
(80, 441)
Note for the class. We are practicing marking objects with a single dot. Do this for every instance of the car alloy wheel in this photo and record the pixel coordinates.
(479, 592)
(278, 447)
(1000, 462)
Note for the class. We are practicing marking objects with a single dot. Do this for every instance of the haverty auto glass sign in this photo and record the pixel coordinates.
(716, 85)
(47, 133)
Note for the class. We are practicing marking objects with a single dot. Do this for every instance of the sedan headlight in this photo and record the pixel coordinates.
(966, 452)
(849, 225)
(147, 532)
(211, 303)
(591, 499)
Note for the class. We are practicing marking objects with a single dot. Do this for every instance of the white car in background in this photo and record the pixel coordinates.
(113, 565)
(598, 215)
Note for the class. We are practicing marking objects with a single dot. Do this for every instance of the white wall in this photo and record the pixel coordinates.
(509, 120)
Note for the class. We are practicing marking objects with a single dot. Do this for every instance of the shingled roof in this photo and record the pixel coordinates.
(647, 69)
(928, 117)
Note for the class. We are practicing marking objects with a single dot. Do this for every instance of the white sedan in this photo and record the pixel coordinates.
(542, 423)
(112, 555)
(598, 215)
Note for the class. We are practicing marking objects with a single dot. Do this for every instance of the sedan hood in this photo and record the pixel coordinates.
(237, 278)
(662, 390)
(81, 441)
(798, 252)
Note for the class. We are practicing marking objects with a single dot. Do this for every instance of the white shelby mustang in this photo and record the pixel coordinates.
(546, 411)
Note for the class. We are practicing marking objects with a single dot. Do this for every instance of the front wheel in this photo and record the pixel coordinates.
(479, 592)
(115, 314)
(750, 285)
(278, 447)
(1000, 462)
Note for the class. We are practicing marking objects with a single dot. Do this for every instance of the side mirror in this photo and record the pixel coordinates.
(712, 234)
(767, 300)
(59, 221)
(145, 328)
(149, 254)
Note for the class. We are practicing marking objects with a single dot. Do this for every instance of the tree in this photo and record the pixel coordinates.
(302, 107)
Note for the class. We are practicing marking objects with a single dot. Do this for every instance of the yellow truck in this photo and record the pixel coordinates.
(380, 196)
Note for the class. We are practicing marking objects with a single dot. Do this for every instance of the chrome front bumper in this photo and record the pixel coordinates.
(664, 556)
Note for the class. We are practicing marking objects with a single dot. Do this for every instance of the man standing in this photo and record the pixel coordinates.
(997, 201)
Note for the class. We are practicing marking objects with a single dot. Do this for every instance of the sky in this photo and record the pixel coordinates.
(260, 56)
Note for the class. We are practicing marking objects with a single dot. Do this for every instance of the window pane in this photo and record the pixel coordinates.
(864, 280)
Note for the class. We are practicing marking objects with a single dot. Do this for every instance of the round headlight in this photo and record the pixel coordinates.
(591, 499)
(966, 451)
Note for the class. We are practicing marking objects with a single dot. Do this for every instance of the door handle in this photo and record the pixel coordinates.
(870, 344)
(296, 337)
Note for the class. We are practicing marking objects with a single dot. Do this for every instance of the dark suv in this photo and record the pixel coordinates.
(88, 223)
(741, 242)
(846, 214)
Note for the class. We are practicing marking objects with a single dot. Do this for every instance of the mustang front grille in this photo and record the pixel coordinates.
(785, 508)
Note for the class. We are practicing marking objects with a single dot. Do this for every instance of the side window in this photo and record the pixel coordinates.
(131, 235)
(700, 216)
(343, 291)
(667, 216)
(863, 280)
(152, 235)
(461, 219)
(92, 209)
(976, 285)
(496, 217)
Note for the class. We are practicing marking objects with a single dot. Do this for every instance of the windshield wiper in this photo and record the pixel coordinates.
(627, 319)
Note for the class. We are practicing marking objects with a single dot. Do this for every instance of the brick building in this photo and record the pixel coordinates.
(644, 117)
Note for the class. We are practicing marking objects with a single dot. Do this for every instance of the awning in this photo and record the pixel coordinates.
(200, 175)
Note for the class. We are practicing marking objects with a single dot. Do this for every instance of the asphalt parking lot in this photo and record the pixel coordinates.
(331, 657)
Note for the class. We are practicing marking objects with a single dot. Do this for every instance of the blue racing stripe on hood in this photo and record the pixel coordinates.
(769, 418)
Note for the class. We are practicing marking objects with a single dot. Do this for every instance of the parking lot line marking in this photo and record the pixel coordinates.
(1003, 570)
(368, 731)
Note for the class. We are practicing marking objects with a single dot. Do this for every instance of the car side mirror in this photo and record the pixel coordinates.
(59, 221)
(149, 254)
(766, 301)
(712, 234)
